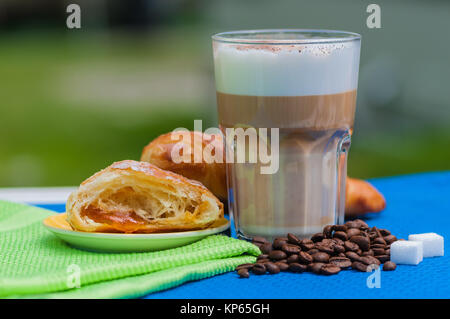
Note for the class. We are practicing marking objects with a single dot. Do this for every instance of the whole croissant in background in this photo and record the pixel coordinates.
(212, 175)
(361, 197)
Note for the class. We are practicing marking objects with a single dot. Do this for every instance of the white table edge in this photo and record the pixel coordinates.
(37, 195)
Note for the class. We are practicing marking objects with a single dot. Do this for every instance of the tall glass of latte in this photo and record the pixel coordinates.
(301, 84)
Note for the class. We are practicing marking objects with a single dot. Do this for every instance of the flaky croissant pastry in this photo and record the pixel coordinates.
(208, 172)
(361, 196)
(138, 197)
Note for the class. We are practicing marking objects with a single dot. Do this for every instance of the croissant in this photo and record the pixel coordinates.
(208, 172)
(361, 196)
(138, 197)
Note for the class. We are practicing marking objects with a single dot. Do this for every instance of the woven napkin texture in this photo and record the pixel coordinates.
(36, 264)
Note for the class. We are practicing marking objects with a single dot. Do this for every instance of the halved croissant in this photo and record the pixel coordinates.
(361, 196)
(138, 197)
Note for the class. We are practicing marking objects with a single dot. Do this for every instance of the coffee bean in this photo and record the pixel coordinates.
(293, 239)
(266, 248)
(306, 244)
(321, 257)
(368, 253)
(326, 248)
(362, 224)
(277, 255)
(341, 255)
(341, 235)
(353, 232)
(362, 242)
(383, 258)
(390, 239)
(327, 241)
(243, 273)
(378, 251)
(389, 265)
(262, 256)
(378, 246)
(312, 251)
(384, 232)
(282, 260)
(375, 229)
(317, 237)
(364, 234)
(278, 243)
(369, 260)
(290, 249)
(337, 241)
(330, 269)
(372, 235)
(352, 224)
(259, 239)
(342, 228)
(282, 266)
(305, 258)
(262, 261)
(315, 267)
(244, 266)
(259, 269)
(272, 268)
(388, 252)
(350, 246)
(342, 262)
(379, 240)
(359, 266)
(292, 259)
(352, 255)
(327, 230)
(339, 249)
(296, 267)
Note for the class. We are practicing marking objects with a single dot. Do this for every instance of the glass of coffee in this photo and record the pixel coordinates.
(300, 84)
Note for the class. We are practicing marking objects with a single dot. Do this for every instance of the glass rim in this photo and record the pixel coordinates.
(324, 36)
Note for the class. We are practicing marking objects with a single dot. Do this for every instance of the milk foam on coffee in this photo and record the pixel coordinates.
(288, 70)
(308, 92)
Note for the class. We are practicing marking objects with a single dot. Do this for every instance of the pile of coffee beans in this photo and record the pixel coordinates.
(351, 246)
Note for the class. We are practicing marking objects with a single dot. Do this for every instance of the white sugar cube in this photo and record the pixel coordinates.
(433, 244)
(407, 252)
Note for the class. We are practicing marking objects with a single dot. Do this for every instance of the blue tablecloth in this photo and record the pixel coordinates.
(416, 203)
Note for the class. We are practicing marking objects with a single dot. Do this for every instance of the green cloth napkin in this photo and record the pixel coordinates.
(36, 264)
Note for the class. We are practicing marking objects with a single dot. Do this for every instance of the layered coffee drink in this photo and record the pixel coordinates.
(307, 90)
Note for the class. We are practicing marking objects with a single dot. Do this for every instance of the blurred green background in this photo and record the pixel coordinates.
(73, 101)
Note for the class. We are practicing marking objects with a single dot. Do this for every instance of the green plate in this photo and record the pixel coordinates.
(113, 242)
